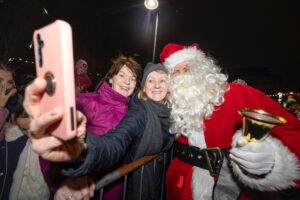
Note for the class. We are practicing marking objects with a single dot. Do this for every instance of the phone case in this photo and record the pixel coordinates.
(53, 49)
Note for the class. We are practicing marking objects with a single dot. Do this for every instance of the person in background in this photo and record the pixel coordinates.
(7, 92)
(145, 129)
(82, 80)
(205, 116)
(20, 173)
(292, 105)
(23, 172)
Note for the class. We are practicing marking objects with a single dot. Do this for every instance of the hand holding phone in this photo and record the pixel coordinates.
(53, 49)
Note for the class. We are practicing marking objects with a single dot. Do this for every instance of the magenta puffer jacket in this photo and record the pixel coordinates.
(104, 109)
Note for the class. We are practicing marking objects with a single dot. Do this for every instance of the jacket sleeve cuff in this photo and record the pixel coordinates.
(285, 173)
(86, 164)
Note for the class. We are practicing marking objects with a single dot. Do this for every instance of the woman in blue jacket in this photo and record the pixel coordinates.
(145, 129)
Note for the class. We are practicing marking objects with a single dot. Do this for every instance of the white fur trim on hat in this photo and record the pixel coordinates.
(182, 55)
(284, 174)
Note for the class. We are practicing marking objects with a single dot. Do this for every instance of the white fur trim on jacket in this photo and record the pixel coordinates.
(182, 55)
(202, 184)
(284, 174)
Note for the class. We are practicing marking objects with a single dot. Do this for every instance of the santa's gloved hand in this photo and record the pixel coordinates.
(256, 158)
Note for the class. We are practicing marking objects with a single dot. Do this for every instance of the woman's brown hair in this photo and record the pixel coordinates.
(117, 65)
(6, 68)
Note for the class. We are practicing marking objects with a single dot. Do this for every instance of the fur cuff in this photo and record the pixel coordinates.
(284, 174)
(202, 179)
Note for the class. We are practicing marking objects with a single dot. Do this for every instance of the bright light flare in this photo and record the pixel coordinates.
(151, 4)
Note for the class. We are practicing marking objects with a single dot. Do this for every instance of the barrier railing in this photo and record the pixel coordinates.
(126, 170)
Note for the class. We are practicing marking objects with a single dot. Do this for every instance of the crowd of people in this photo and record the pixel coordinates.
(184, 103)
(20, 172)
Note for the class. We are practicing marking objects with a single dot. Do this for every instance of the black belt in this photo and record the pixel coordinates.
(209, 159)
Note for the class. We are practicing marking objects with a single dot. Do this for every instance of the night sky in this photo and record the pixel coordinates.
(256, 40)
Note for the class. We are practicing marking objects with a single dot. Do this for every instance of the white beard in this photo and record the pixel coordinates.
(188, 113)
(192, 98)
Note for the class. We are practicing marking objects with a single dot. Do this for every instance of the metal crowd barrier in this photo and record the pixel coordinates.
(126, 170)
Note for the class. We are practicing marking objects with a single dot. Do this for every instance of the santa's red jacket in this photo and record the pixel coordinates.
(219, 132)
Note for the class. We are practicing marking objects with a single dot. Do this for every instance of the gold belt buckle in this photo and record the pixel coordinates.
(210, 167)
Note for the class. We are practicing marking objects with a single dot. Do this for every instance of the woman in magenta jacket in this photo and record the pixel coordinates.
(104, 109)
(109, 104)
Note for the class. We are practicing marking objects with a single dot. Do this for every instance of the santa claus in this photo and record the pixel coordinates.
(205, 118)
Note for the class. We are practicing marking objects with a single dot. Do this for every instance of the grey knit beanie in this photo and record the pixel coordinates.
(150, 67)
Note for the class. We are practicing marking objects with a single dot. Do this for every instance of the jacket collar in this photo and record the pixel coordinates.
(111, 95)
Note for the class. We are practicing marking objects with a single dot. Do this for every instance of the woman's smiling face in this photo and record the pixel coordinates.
(124, 81)
(156, 86)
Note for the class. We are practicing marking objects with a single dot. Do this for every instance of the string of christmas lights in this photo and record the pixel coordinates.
(20, 60)
(285, 94)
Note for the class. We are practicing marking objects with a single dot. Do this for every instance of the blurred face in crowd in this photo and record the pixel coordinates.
(156, 86)
(81, 67)
(6, 81)
(124, 81)
(23, 122)
(180, 68)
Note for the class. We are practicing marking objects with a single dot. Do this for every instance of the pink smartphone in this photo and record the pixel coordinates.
(53, 50)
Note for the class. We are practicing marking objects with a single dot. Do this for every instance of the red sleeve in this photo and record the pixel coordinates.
(83, 80)
(288, 133)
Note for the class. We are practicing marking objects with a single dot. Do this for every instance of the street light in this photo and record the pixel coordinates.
(152, 5)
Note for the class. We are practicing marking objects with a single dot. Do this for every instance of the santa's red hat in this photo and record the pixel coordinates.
(173, 54)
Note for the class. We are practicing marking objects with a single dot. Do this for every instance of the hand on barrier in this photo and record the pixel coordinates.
(81, 188)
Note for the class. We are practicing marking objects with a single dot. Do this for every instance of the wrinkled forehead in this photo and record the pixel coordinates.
(157, 74)
(6, 75)
(126, 70)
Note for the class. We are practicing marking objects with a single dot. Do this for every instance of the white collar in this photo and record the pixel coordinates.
(12, 133)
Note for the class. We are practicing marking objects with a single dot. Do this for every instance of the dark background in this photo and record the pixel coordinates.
(255, 40)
